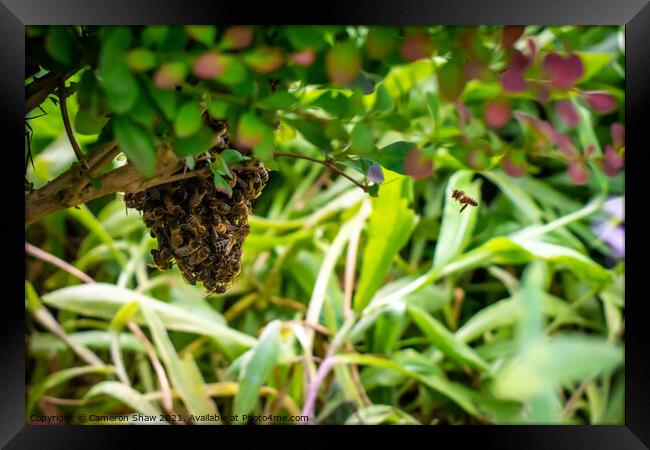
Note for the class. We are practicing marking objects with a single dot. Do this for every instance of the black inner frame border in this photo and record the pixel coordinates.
(634, 14)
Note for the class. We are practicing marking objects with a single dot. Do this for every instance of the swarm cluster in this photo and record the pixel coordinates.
(199, 228)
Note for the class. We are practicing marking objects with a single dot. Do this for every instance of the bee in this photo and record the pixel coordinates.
(173, 209)
(186, 272)
(161, 258)
(241, 208)
(199, 256)
(220, 246)
(464, 199)
(225, 274)
(152, 216)
(219, 228)
(220, 207)
(135, 200)
(195, 224)
(185, 250)
(153, 194)
(197, 197)
(176, 237)
(256, 182)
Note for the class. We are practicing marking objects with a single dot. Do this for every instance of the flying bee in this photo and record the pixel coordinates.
(464, 199)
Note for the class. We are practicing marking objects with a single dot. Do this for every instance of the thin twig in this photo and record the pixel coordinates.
(68, 127)
(165, 388)
(573, 401)
(325, 163)
(324, 368)
(50, 258)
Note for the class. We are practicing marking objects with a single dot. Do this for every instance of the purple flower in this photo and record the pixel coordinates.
(612, 229)
(375, 174)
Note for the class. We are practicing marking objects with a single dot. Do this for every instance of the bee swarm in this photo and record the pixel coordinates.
(198, 227)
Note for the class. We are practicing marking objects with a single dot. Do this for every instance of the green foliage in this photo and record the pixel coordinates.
(509, 312)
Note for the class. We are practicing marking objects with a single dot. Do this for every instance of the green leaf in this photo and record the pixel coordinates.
(218, 109)
(561, 359)
(593, 63)
(143, 112)
(205, 34)
(235, 71)
(580, 264)
(140, 60)
(304, 37)
(231, 156)
(445, 341)
(383, 101)
(118, 82)
(251, 130)
(154, 35)
(362, 139)
(279, 100)
(258, 368)
(528, 210)
(390, 225)
(59, 44)
(104, 300)
(221, 184)
(313, 132)
(388, 329)
(124, 315)
(220, 166)
(85, 122)
(126, 395)
(457, 228)
(334, 102)
(137, 144)
(197, 143)
(456, 392)
(530, 329)
(188, 120)
(451, 80)
(57, 378)
(393, 156)
(183, 373)
(49, 345)
(165, 99)
(380, 415)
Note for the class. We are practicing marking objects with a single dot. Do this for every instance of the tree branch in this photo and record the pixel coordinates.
(328, 164)
(38, 90)
(64, 191)
(68, 127)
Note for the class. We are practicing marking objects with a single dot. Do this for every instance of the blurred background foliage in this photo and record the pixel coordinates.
(380, 307)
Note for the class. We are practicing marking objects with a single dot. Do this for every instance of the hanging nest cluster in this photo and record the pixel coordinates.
(198, 227)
